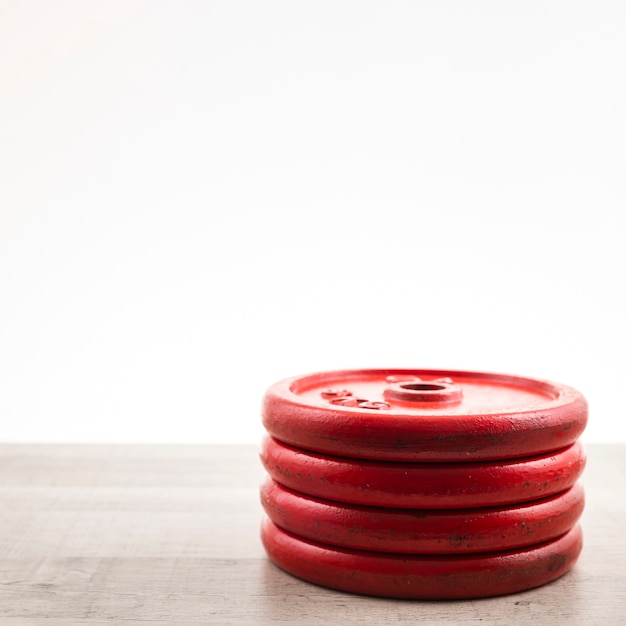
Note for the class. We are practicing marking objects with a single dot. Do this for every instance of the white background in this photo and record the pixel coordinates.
(200, 198)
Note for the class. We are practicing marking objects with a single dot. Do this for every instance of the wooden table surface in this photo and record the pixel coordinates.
(95, 534)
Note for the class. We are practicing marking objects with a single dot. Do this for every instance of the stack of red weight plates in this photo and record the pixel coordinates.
(423, 484)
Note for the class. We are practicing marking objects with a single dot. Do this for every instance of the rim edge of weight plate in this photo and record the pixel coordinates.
(422, 577)
(422, 531)
(394, 484)
(444, 437)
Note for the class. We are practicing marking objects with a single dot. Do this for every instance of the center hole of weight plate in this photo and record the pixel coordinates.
(414, 391)
(423, 386)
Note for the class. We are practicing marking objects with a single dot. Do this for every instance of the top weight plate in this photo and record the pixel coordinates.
(423, 415)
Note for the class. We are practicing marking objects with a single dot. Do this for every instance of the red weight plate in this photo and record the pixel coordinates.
(422, 531)
(423, 485)
(422, 577)
(424, 415)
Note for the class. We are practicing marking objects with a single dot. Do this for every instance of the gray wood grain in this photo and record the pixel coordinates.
(169, 535)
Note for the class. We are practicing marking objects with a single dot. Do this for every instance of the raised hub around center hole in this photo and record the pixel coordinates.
(423, 392)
